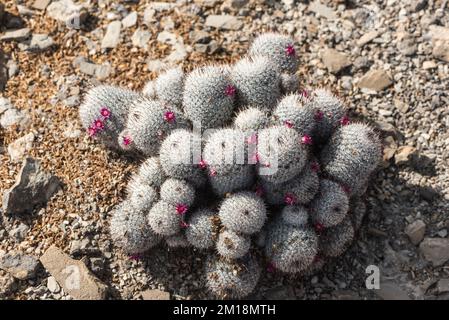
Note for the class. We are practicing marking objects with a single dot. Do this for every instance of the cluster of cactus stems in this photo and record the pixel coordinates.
(242, 164)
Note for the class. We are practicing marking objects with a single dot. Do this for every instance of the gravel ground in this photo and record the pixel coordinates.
(385, 59)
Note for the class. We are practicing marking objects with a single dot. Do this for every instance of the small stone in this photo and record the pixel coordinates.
(16, 35)
(441, 50)
(207, 3)
(53, 285)
(78, 246)
(199, 36)
(407, 46)
(234, 4)
(140, 38)
(148, 16)
(33, 187)
(97, 265)
(19, 265)
(335, 61)
(404, 155)
(19, 148)
(112, 37)
(367, 38)
(167, 37)
(376, 80)
(68, 12)
(426, 65)
(391, 291)
(103, 71)
(401, 106)
(156, 65)
(435, 250)
(322, 10)
(415, 231)
(427, 193)
(361, 63)
(13, 68)
(443, 286)
(161, 6)
(130, 20)
(39, 43)
(88, 68)
(155, 294)
(10, 116)
(8, 284)
(178, 54)
(41, 4)
(72, 101)
(225, 22)
(73, 275)
(19, 233)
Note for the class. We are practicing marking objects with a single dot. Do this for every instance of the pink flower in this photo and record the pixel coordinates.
(319, 115)
(288, 124)
(91, 131)
(255, 158)
(252, 139)
(230, 90)
(290, 50)
(290, 199)
(318, 227)
(305, 93)
(169, 116)
(259, 191)
(181, 208)
(306, 139)
(315, 166)
(184, 224)
(106, 113)
(212, 172)
(127, 140)
(346, 189)
(135, 257)
(202, 164)
(271, 268)
(345, 121)
(98, 124)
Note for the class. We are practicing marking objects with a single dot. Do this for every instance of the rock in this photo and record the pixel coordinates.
(161, 6)
(20, 147)
(156, 65)
(78, 246)
(8, 285)
(322, 10)
(16, 35)
(415, 231)
(13, 68)
(417, 5)
(39, 43)
(438, 33)
(130, 20)
(367, 38)
(140, 38)
(19, 233)
(435, 250)
(441, 50)
(19, 265)
(199, 36)
(401, 106)
(428, 193)
(74, 100)
(426, 65)
(67, 12)
(167, 37)
(407, 46)
(224, 21)
(97, 265)
(155, 294)
(41, 4)
(376, 80)
(33, 187)
(335, 61)
(148, 16)
(73, 275)
(404, 155)
(101, 72)
(10, 116)
(443, 286)
(391, 291)
(112, 37)
(53, 285)
(178, 54)
(234, 4)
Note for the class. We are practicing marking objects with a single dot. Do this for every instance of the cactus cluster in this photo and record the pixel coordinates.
(273, 179)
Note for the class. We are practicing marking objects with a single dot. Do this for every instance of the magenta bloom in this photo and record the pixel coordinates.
(169, 116)
(318, 227)
(305, 93)
(184, 224)
(256, 158)
(271, 268)
(290, 50)
(98, 124)
(252, 139)
(212, 172)
(319, 115)
(259, 191)
(315, 166)
(346, 189)
(306, 139)
(288, 124)
(91, 131)
(202, 164)
(345, 121)
(230, 90)
(181, 208)
(127, 140)
(290, 199)
(105, 112)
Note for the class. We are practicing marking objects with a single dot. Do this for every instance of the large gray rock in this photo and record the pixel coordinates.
(33, 187)
(19, 265)
(376, 80)
(16, 35)
(435, 250)
(73, 275)
(10, 116)
(38, 43)
(224, 21)
(112, 37)
(73, 15)
(335, 61)
(415, 231)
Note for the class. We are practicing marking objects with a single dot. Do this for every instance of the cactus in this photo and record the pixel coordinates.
(279, 49)
(258, 82)
(251, 120)
(290, 249)
(232, 279)
(104, 112)
(335, 240)
(289, 83)
(165, 219)
(177, 192)
(151, 173)
(296, 112)
(282, 154)
(351, 155)
(169, 87)
(243, 212)
(178, 155)
(209, 96)
(331, 205)
(201, 232)
(141, 195)
(149, 122)
(296, 216)
(149, 90)
(129, 229)
(299, 190)
(178, 240)
(232, 245)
